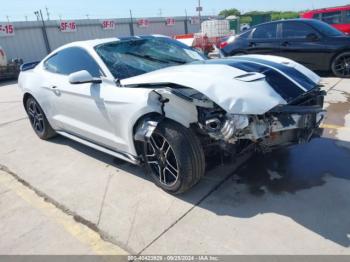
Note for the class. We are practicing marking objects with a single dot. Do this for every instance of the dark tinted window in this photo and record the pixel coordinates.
(347, 17)
(317, 16)
(297, 30)
(332, 17)
(267, 31)
(325, 29)
(72, 60)
(245, 35)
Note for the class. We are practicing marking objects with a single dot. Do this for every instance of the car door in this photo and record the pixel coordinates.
(264, 40)
(302, 43)
(79, 109)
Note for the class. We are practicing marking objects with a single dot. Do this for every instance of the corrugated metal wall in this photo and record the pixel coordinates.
(28, 42)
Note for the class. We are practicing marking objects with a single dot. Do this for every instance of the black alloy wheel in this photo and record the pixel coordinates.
(162, 161)
(38, 119)
(174, 157)
(341, 65)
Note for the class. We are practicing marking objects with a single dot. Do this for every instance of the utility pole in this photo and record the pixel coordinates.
(160, 12)
(47, 14)
(8, 19)
(39, 14)
(131, 24)
(199, 9)
(186, 22)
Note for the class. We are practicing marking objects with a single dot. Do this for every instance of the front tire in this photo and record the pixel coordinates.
(341, 65)
(38, 119)
(174, 157)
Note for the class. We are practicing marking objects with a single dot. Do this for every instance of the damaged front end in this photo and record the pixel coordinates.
(295, 123)
(252, 103)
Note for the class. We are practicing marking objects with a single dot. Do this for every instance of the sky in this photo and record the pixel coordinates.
(20, 10)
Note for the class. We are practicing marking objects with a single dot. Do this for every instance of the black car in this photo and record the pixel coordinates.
(312, 43)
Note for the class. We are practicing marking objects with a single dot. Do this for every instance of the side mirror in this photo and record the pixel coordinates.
(83, 77)
(312, 37)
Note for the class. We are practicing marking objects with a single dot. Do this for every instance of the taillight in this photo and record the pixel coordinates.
(223, 45)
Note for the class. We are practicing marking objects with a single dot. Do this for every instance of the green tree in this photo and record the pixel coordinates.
(229, 12)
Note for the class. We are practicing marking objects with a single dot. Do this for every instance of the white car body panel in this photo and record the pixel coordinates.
(217, 83)
(106, 113)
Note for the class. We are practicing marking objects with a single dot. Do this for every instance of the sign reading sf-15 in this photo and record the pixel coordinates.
(7, 29)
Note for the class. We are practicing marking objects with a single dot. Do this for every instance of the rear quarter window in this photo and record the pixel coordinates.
(266, 31)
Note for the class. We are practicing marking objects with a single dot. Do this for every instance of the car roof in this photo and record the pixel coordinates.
(305, 20)
(95, 42)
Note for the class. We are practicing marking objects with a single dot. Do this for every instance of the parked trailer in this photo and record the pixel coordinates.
(212, 34)
(8, 70)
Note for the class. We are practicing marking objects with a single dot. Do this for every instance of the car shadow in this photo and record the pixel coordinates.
(325, 73)
(7, 82)
(307, 183)
(291, 182)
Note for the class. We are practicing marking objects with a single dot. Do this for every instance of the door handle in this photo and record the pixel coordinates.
(252, 44)
(286, 43)
(49, 87)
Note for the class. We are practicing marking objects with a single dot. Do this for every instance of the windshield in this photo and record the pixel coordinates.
(326, 29)
(134, 57)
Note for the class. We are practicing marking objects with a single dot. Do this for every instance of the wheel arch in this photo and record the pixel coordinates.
(26, 95)
(152, 116)
(337, 53)
(334, 57)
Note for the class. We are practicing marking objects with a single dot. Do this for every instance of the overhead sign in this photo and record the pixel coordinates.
(7, 29)
(143, 23)
(108, 25)
(68, 26)
(170, 21)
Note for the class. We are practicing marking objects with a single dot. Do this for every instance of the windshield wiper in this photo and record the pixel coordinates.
(148, 57)
(177, 61)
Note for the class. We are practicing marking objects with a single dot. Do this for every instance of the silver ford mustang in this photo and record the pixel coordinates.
(154, 101)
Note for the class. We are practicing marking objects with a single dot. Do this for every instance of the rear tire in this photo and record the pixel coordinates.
(174, 157)
(38, 119)
(341, 65)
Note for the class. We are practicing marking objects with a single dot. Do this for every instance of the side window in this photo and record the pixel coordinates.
(245, 35)
(72, 60)
(332, 18)
(267, 31)
(297, 30)
(317, 16)
(347, 17)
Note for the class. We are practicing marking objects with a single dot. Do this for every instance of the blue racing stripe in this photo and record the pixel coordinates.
(287, 89)
(293, 73)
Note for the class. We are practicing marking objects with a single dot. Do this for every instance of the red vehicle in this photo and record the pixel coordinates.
(339, 17)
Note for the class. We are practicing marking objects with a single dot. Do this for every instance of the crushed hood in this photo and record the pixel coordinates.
(240, 85)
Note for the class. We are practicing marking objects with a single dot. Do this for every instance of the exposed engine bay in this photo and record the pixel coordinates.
(295, 123)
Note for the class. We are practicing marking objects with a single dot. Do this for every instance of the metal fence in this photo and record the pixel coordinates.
(29, 41)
